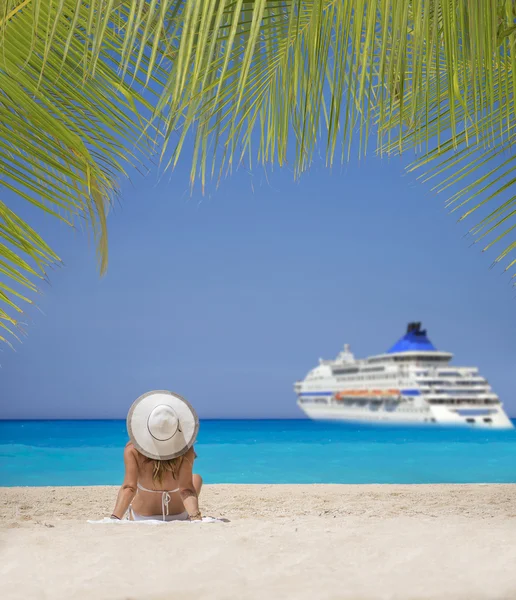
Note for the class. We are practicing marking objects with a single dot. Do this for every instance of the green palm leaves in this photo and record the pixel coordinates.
(461, 113)
(64, 136)
(84, 86)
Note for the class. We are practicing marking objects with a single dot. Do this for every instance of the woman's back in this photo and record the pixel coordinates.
(149, 498)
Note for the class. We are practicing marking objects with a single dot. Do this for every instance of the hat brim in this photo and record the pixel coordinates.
(140, 435)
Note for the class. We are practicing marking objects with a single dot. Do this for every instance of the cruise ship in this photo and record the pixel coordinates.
(412, 383)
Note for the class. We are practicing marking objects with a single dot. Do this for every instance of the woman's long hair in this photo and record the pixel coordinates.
(160, 467)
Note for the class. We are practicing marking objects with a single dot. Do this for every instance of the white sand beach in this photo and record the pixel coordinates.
(305, 542)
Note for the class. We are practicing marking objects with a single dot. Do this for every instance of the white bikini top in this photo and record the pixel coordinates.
(165, 497)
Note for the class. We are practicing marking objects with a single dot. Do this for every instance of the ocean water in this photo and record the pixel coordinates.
(276, 451)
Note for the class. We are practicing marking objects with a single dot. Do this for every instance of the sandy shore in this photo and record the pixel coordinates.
(318, 542)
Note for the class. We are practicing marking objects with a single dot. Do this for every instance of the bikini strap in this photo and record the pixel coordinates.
(143, 489)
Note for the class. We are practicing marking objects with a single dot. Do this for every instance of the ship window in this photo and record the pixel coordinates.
(488, 420)
(344, 371)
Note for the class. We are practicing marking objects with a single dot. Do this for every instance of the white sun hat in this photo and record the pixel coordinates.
(162, 425)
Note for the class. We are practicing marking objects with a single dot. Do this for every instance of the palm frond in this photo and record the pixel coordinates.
(465, 124)
(288, 76)
(64, 141)
(257, 80)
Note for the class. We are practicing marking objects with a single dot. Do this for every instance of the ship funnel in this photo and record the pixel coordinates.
(414, 340)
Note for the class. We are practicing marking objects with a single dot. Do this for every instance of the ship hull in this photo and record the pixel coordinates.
(468, 417)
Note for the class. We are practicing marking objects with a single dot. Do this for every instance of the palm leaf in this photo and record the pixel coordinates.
(64, 141)
(257, 80)
(432, 74)
(468, 141)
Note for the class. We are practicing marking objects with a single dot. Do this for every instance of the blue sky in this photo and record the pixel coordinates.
(231, 297)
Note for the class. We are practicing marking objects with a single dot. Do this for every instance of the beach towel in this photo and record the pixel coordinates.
(107, 520)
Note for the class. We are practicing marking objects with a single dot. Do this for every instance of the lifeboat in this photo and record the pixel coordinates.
(384, 393)
(350, 394)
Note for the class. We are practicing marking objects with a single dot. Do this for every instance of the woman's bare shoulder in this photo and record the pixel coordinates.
(190, 455)
(130, 450)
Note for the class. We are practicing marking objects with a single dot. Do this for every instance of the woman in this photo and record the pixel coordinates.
(159, 482)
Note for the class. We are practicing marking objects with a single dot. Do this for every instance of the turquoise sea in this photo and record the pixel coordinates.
(275, 451)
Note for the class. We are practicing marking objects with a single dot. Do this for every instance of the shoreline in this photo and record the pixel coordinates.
(282, 541)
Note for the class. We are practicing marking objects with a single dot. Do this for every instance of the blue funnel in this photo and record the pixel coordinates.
(414, 340)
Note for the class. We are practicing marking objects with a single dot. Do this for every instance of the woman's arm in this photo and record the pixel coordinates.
(128, 489)
(186, 486)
